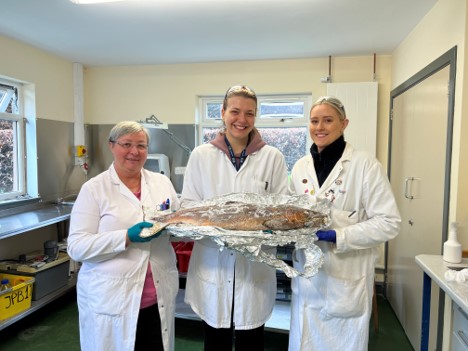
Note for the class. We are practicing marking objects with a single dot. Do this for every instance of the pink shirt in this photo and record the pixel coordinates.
(149, 296)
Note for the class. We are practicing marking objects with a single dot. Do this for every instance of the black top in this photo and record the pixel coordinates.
(325, 161)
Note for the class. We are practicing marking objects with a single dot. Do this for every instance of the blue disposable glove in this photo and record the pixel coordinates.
(134, 232)
(327, 235)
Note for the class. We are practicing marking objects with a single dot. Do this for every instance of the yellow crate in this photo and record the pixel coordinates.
(18, 298)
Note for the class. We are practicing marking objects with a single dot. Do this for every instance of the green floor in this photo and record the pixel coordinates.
(55, 328)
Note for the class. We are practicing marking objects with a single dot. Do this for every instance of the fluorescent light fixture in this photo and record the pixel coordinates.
(85, 2)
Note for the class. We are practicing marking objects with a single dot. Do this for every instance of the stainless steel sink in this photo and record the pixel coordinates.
(67, 203)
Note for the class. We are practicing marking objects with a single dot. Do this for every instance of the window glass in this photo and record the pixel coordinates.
(213, 110)
(281, 109)
(7, 156)
(291, 141)
(12, 151)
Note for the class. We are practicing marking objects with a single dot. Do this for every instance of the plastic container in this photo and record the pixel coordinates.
(18, 298)
(452, 248)
(5, 285)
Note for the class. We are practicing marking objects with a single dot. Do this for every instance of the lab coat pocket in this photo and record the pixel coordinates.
(345, 298)
(108, 295)
(341, 219)
(204, 261)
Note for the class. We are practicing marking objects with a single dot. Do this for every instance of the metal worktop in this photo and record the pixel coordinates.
(22, 219)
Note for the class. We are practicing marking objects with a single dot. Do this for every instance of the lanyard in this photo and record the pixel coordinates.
(233, 157)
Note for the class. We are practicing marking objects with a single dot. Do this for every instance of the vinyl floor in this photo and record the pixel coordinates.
(55, 328)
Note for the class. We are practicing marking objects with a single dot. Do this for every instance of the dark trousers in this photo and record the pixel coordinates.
(222, 339)
(148, 334)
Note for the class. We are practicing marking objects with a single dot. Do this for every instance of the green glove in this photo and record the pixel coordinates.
(134, 232)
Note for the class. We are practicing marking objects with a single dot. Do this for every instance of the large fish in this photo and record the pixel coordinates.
(234, 215)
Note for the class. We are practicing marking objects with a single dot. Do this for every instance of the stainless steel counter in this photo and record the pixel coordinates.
(26, 218)
(434, 268)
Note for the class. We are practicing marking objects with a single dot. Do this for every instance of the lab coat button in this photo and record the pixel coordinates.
(162, 306)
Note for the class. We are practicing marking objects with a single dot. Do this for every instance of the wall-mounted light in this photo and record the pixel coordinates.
(153, 122)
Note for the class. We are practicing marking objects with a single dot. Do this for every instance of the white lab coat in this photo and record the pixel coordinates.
(111, 279)
(209, 288)
(331, 311)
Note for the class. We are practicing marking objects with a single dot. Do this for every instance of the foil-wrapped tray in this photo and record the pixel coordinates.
(246, 222)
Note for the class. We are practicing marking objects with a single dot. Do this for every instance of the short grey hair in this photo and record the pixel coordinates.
(127, 127)
(333, 102)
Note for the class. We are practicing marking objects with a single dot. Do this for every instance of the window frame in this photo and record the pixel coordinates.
(204, 122)
(20, 189)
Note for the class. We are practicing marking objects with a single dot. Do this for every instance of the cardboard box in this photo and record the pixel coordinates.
(18, 298)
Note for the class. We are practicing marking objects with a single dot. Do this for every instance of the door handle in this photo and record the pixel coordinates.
(407, 187)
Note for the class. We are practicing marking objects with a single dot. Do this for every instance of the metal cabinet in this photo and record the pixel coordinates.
(460, 329)
(23, 220)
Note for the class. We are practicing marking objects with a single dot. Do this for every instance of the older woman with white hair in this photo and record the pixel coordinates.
(127, 284)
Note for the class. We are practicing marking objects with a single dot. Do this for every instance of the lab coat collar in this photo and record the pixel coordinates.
(126, 191)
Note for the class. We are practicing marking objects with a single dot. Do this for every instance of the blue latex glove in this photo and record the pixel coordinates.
(134, 232)
(327, 235)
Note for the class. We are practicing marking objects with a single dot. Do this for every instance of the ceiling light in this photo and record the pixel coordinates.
(83, 2)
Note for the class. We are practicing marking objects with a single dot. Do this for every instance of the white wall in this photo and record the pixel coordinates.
(170, 92)
(51, 76)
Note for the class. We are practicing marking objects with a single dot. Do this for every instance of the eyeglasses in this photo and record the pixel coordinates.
(129, 146)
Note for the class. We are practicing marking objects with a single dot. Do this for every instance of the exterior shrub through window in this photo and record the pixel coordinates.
(12, 170)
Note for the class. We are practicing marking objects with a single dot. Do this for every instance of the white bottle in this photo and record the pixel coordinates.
(452, 248)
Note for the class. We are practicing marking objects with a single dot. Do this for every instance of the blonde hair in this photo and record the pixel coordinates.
(239, 90)
(333, 102)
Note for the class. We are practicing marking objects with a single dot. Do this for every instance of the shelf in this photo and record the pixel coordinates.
(35, 305)
(23, 219)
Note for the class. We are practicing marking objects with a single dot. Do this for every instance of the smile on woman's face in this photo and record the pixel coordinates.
(130, 152)
(239, 118)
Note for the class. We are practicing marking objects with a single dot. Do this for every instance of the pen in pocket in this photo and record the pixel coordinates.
(352, 214)
(266, 185)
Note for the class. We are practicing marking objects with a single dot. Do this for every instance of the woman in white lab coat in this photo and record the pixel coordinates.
(231, 294)
(331, 311)
(127, 285)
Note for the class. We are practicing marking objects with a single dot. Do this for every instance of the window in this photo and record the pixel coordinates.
(12, 167)
(282, 120)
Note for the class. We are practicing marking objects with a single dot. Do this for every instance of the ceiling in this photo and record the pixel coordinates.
(143, 32)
